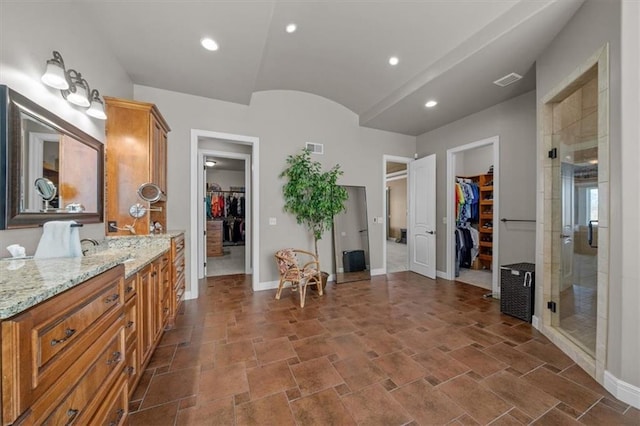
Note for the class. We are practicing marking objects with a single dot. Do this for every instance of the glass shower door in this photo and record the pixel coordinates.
(576, 215)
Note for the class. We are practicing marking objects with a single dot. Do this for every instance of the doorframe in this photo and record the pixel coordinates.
(451, 179)
(248, 193)
(195, 205)
(386, 158)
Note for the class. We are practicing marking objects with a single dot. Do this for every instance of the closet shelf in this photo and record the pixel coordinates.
(486, 244)
(486, 188)
(486, 202)
(485, 257)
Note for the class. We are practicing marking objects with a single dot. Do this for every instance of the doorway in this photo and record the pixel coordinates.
(204, 141)
(472, 212)
(226, 247)
(396, 199)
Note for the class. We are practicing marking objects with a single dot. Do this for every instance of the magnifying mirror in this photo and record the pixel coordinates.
(47, 190)
(150, 192)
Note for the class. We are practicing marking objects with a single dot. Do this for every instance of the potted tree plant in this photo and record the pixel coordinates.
(312, 195)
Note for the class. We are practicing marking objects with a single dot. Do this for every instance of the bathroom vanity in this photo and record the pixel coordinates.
(76, 333)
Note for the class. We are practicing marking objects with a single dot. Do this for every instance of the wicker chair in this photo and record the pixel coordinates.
(299, 276)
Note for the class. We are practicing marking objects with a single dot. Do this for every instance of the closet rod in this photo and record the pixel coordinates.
(516, 220)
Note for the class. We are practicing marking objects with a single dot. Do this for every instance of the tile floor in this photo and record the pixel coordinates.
(399, 349)
(232, 262)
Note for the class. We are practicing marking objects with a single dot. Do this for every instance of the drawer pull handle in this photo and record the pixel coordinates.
(112, 298)
(115, 358)
(72, 413)
(129, 324)
(129, 289)
(67, 333)
(130, 370)
(119, 414)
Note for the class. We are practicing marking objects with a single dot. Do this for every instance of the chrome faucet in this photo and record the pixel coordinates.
(88, 240)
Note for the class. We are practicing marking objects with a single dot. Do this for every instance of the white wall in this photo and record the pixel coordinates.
(476, 161)
(514, 121)
(283, 121)
(226, 178)
(29, 32)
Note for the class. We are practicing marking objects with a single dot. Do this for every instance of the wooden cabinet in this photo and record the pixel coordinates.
(214, 238)
(64, 356)
(485, 225)
(136, 153)
(177, 277)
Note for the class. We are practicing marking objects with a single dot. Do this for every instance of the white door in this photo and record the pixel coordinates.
(205, 206)
(422, 216)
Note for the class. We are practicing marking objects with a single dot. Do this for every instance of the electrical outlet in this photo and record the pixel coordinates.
(112, 226)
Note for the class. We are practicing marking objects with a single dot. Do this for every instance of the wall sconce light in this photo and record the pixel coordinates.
(73, 87)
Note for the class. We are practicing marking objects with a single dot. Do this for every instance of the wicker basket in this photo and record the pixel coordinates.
(517, 289)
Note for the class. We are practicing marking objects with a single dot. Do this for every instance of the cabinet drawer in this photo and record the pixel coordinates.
(177, 246)
(54, 335)
(131, 368)
(131, 320)
(114, 410)
(131, 287)
(76, 405)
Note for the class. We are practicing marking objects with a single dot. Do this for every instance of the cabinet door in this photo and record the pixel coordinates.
(158, 151)
(147, 331)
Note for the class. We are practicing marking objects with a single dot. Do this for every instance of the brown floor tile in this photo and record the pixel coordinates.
(476, 400)
(161, 357)
(426, 404)
(547, 353)
(270, 379)
(233, 353)
(359, 372)
(576, 396)
(322, 408)
(600, 414)
(374, 406)
(517, 360)
(347, 345)
(193, 356)
(400, 367)
(272, 410)
(176, 336)
(384, 351)
(223, 382)
(171, 387)
(312, 347)
(478, 361)
(274, 350)
(506, 420)
(160, 415)
(315, 375)
(518, 392)
(555, 417)
(220, 412)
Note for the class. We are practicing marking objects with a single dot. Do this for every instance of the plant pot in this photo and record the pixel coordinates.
(324, 277)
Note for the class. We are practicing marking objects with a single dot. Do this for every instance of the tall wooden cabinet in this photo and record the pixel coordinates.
(136, 153)
(485, 225)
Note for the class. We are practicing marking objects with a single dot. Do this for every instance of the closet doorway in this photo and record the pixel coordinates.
(396, 198)
(472, 212)
(226, 247)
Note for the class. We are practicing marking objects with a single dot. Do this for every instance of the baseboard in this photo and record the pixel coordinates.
(441, 274)
(267, 285)
(535, 322)
(625, 392)
(378, 271)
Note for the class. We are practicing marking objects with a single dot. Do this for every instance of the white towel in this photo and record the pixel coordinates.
(59, 239)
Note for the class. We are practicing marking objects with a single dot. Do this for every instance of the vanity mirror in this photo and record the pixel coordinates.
(37, 146)
(351, 238)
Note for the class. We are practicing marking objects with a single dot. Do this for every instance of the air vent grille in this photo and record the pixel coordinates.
(507, 79)
(315, 148)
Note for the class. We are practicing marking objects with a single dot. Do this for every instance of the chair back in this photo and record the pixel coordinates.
(286, 259)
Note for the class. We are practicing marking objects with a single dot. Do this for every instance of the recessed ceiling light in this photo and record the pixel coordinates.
(209, 163)
(393, 60)
(291, 28)
(431, 104)
(209, 44)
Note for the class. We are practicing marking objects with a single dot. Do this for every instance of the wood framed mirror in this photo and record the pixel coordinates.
(37, 144)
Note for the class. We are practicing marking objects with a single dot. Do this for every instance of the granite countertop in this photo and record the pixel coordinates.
(26, 282)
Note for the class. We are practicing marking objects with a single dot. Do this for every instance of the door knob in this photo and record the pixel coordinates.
(431, 232)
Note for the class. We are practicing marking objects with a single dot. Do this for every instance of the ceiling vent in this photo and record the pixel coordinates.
(507, 79)
(315, 148)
